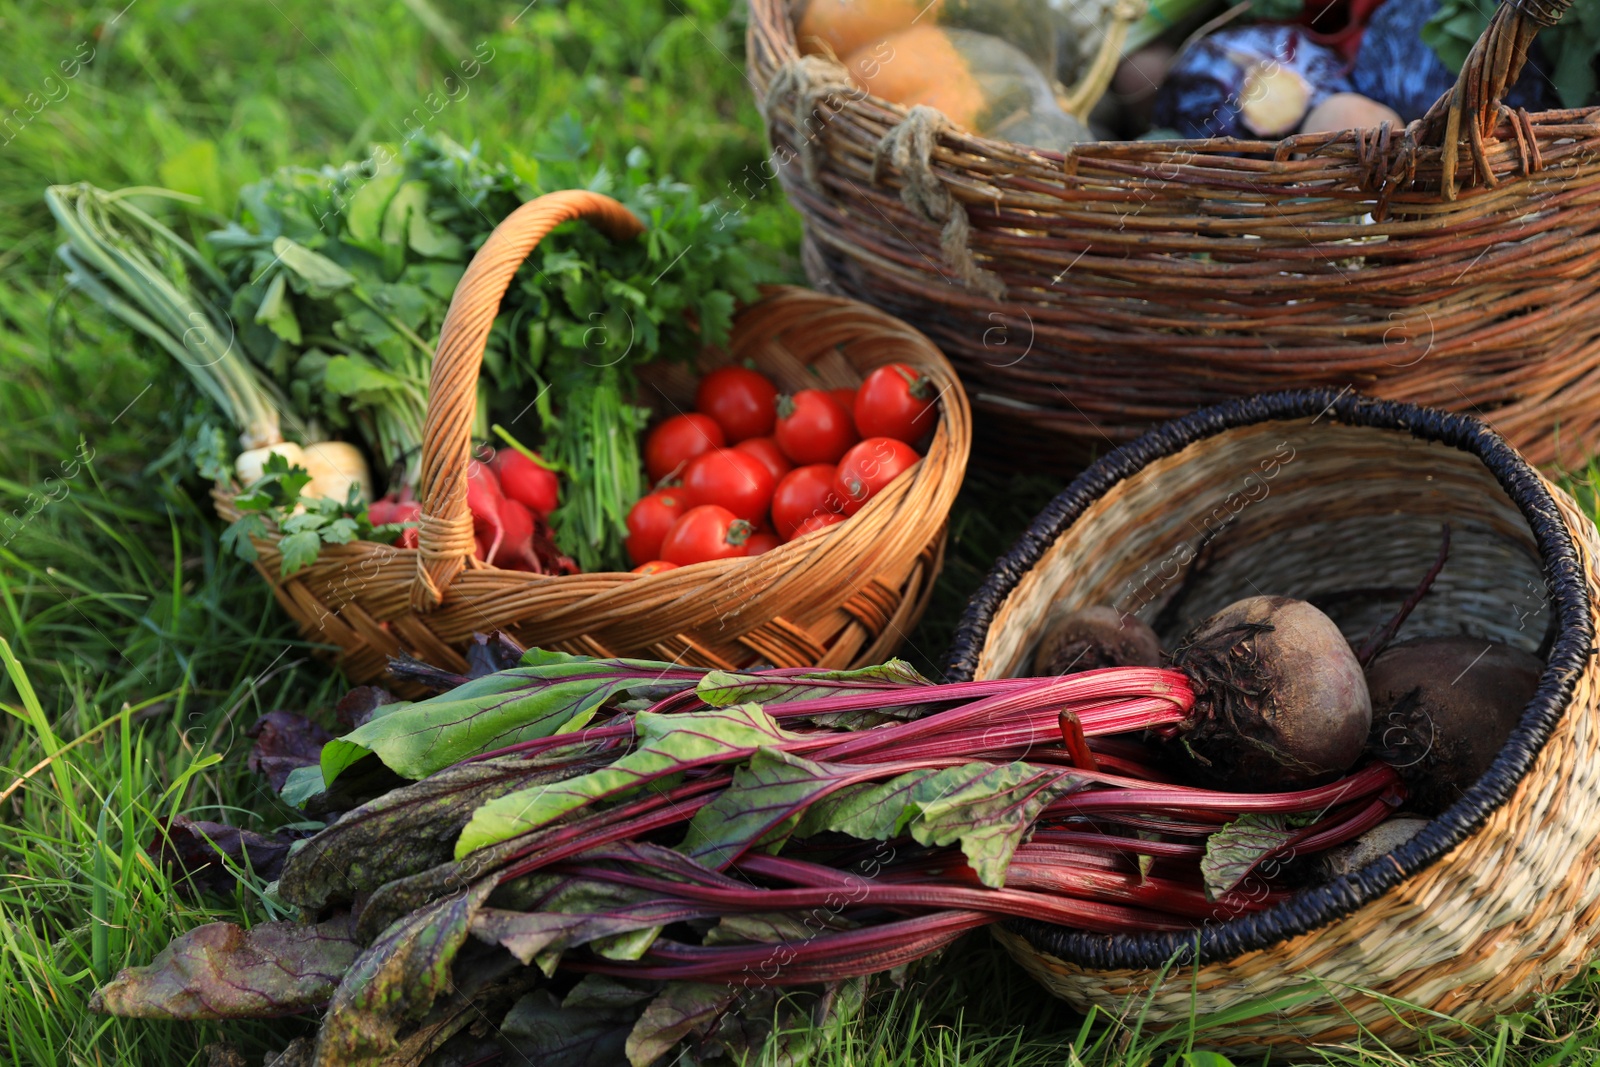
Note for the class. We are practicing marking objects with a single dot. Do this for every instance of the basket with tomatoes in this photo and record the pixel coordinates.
(795, 485)
(752, 468)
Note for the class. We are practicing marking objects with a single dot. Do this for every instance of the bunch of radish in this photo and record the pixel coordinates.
(750, 469)
(510, 495)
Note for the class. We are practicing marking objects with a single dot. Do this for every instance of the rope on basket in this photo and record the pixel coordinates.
(808, 79)
(909, 146)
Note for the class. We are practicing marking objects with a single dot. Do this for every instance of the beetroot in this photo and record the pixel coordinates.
(1093, 638)
(1280, 698)
(1443, 708)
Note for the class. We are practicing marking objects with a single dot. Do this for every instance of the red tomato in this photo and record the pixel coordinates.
(655, 566)
(704, 533)
(868, 467)
(761, 541)
(650, 520)
(736, 480)
(804, 492)
(896, 401)
(677, 441)
(740, 399)
(771, 456)
(846, 398)
(813, 427)
(820, 521)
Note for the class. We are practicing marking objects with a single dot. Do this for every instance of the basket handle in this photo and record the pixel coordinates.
(1490, 70)
(444, 531)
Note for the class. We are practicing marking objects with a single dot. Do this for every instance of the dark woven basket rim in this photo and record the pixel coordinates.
(1569, 656)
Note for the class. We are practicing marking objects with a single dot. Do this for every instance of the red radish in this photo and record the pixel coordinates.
(655, 566)
(516, 551)
(771, 456)
(526, 482)
(740, 399)
(803, 492)
(820, 521)
(677, 441)
(705, 533)
(870, 466)
(484, 501)
(813, 427)
(381, 511)
(761, 541)
(736, 480)
(650, 520)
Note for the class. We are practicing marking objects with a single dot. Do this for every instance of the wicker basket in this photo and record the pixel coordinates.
(844, 596)
(1339, 500)
(1086, 298)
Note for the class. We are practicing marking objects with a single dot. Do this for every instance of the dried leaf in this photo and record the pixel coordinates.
(206, 855)
(284, 740)
(402, 833)
(681, 1009)
(222, 971)
(397, 978)
(358, 706)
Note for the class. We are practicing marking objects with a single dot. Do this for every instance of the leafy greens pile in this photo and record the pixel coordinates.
(612, 857)
(1571, 47)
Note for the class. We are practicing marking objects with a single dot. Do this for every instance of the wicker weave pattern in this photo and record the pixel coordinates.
(842, 597)
(1140, 279)
(1512, 911)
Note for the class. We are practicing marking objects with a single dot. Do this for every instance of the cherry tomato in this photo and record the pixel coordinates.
(742, 401)
(868, 467)
(813, 427)
(736, 480)
(677, 441)
(761, 541)
(846, 398)
(649, 521)
(655, 566)
(771, 456)
(820, 521)
(706, 532)
(804, 492)
(896, 401)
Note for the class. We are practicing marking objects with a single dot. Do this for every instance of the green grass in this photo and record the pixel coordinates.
(137, 653)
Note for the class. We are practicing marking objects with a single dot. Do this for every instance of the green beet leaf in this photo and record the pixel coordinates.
(496, 710)
(667, 745)
(542, 1030)
(721, 688)
(222, 971)
(765, 801)
(1240, 846)
(987, 809)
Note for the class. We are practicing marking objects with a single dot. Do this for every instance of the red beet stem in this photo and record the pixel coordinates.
(1371, 779)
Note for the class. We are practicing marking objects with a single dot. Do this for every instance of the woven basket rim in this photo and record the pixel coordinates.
(1569, 656)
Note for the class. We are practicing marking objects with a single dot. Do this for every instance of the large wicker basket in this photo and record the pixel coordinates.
(1085, 298)
(1339, 500)
(840, 597)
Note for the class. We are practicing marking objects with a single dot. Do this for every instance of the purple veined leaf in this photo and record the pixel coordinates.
(493, 652)
(668, 745)
(222, 971)
(881, 682)
(541, 1030)
(541, 937)
(1236, 850)
(403, 832)
(774, 927)
(553, 697)
(397, 978)
(210, 856)
(284, 740)
(679, 1010)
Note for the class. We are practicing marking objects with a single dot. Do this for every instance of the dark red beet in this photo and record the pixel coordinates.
(1443, 708)
(1282, 703)
(1093, 638)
